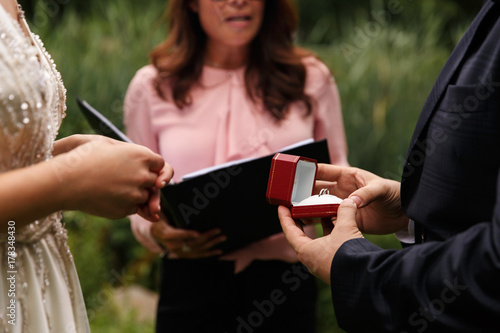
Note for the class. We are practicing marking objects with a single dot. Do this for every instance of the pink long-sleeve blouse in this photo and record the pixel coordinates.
(222, 124)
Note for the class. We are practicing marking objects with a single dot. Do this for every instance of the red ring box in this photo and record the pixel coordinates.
(291, 184)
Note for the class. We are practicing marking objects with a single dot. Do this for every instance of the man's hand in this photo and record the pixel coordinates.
(378, 199)
(317, 254)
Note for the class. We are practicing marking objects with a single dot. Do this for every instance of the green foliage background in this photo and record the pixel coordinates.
(384, 55)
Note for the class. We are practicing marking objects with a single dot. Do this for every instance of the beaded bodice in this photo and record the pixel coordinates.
(32, 104)
(32, 97)
(47, 295)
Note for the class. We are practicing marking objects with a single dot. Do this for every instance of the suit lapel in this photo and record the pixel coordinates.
(446, 74)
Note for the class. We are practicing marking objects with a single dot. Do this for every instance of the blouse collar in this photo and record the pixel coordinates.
(212, 76)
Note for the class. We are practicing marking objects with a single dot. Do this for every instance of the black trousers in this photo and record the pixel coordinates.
(204, 296)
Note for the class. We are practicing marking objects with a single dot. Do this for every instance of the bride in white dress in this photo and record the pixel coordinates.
(39, 287)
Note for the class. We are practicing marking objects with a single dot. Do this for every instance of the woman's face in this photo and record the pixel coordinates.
(230, 23)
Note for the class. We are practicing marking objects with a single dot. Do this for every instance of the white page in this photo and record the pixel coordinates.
(228, 164)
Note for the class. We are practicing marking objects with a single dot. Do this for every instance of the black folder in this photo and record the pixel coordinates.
(232, 198)
(99, 123)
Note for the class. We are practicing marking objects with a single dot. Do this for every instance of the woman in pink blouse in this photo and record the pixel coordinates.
(228, 83)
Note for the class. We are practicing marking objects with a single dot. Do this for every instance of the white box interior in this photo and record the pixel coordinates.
(304, 181)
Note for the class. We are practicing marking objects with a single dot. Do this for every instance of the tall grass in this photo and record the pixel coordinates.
(98, 54)
(383, 78)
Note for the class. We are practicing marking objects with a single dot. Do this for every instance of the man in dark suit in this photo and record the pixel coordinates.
(448, 201)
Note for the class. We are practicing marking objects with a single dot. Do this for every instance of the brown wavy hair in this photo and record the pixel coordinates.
(275, 73)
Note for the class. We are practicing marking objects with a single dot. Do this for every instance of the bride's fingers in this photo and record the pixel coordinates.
(164, 176)
(154, 201)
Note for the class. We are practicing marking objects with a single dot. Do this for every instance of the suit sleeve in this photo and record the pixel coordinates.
(450, 286)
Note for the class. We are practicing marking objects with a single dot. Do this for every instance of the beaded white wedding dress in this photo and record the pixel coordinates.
(39, 277)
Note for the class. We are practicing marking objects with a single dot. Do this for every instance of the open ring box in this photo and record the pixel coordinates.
(291, 184)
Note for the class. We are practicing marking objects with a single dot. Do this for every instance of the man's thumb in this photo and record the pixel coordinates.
(346, 214)
(364, 196)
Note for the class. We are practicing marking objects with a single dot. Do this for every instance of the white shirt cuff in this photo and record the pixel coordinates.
(407, 235)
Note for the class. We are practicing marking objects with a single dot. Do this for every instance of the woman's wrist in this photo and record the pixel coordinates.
(69, 143)
(66, 144)
(65, 182)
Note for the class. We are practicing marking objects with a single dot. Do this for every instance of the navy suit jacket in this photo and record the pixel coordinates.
(450, 282)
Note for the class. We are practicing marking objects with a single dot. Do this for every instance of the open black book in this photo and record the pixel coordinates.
(231, 197)
(99, 123)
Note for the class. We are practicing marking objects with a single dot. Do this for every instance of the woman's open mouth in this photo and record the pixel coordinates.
(238, 21)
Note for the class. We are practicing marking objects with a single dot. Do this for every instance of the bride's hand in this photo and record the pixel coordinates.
(111, 179)
(151, 209)
(148, 210)
(69, 143)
